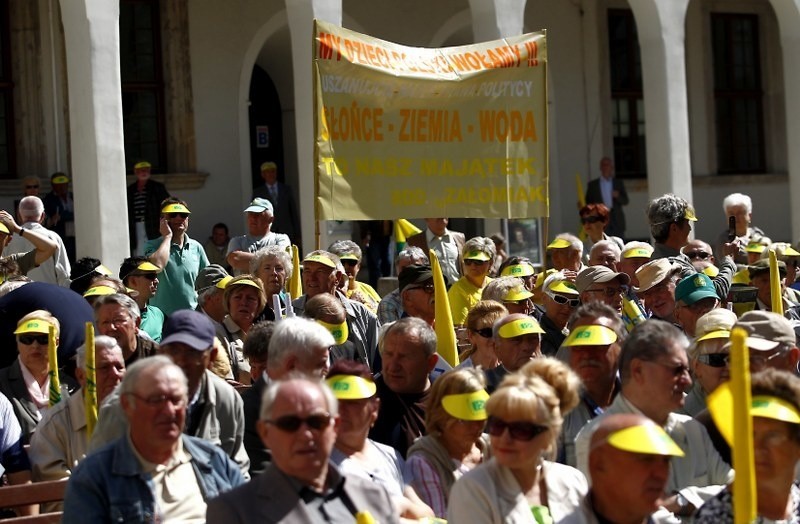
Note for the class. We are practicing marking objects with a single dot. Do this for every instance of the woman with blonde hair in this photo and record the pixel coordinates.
(479, 324)
(244, 300)
(454, 443)
(520, 483)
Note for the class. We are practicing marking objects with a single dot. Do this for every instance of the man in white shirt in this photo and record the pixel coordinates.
(445, 243)
(54, 270)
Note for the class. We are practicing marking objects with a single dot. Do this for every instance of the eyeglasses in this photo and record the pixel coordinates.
(427, 288)
(693, 255)
(291, 423)
(349, 262)
(715, 360)
(520, 302)
(473, 262)
(593, 219)
(677, 370)
(177, 215)
(561, 299)
(148, 276)
(27, 340)
(760, 361)
(518, 430)
(484, 332)
(157, 401)
(610, 291)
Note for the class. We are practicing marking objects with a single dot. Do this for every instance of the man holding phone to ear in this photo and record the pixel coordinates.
(739, 212)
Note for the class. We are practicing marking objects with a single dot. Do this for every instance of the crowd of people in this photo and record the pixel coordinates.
(594, 389)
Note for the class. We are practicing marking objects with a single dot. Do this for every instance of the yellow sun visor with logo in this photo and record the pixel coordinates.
(519, 293)
(322, 259)
(689, 214)
(755, 247)
(518, 270)
(223, 283)
(638, 252)
(477, 254)
(351, 387)
(710, 271)
(141, 165)
(144, 266)
(519, 327)
(349, 256)
(590, 336)
(175, 208)
(339, 331)
(4, 229)
(649, 439)
(99, 291)
(60, 179)
(466, 406)
(563, 286)
(559, 243)
(34, 325)
(243, 282)
(720, 404)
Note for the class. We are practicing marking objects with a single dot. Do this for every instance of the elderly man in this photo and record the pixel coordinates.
(54, 270)
(322, 273)
(416, 292)
(447, 245)
(350, 255)
(153, 472)
(609, 190)
(670, 219)
(409, 355)
(210, 287)
(634, 255)
(390, 308)
(592, 350)
(566, 252)
(511, 292)
(740, 207)
(657, 281)
(603, 285)
(214, 411)
(299, 419)
(43, 246)
(517, 341)
(694, 297)
(180, 258)
(299, 345)
(759, 279)
(61, 438)
(117, 316)
(655, 375)
(629, 466)
(259, 235)
(559, 298)
(605, 253)
(280, 195)
(145, 196)
(139, 274)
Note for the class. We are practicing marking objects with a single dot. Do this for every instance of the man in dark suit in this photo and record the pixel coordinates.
(445, 243)
(284, 208)
(144, 208)
(298, 423)
(610, 191)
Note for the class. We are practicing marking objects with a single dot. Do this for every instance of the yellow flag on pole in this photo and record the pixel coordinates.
(55, 383)
(402, 230)
(775, 283)
(295, 283)
(90, 394)
(744, 489)
(445, 331)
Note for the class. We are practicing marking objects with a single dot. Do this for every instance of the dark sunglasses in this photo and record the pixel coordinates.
(30, 339)
(561, 299)
(349, 262)
(148, 276)
(473, 262)
(177, 215)
(427, 288)
(518, 430)
(291, 423)
(715, 360)
(32, 187)
(693, 255)
(484, 332)
(593, 219)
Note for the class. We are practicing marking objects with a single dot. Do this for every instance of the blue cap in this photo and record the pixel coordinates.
(189, 327)
(259, 205)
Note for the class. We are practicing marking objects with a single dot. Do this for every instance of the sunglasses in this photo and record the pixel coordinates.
(694, 255)
(148, 276)
(291, 423)
(715, 360)
(561, 299)
(427, 288)
(518, 430)
(177, 215)
(593, 219)
(484, 332)
(32, 187)
(610, 291)
(349, 262)
(473, 262)
(30, 339)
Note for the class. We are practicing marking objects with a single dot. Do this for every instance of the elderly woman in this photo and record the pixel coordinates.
(479, 324)
(511, 292)
(26, 382)
(454, 443)
(775, 410)
(244, 300)
(708, 357)
(595, 219)
(354, 453)
(518, 484)
(350, 255)
(478, 255)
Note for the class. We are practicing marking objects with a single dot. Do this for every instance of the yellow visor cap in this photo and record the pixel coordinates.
(339, 331)
(103, 270)
(741, 277)
(349, 256)
(720, 333)
(590, 336)
(517, 270)
(99, 291)
(755, 247)
(541, 277)
(720, 404)
(689, 214)
(637, 252)
(4, 229)
(649, 439)
(564, 286)
(223, 283)
(141, 165)
(62, 179)
(175, 208)
(466, 406)
(477, 254)
(517, 294)
(144, 266)
(519, 327)
(559, 243)
(790, 252)
(351, 387)
(711, 271)
(322, 259)
(243, 282)
(34, 326)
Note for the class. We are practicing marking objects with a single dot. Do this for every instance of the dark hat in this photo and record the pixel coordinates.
(189, 327)
(762, 266)
(209, 276)
(414, 274)
(693, 288)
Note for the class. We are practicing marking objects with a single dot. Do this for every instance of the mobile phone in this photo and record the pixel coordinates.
(731, 228)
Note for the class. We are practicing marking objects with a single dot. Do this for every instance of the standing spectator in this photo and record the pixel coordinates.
(286, 214)
(273, 266)
(44, 247)
(210, 286)
(259, 235)
(560, 298)
(634, 255)
(605, 253)
(595, 219)
(517, 341)
(54, 270)
(708, 357)
(602, 284)
(670, 219)
(740, 207)
(217, 246)
(60, 210)
(30, 187)
(479, 324)
(610, 191)
(445, 243)
(144, 203)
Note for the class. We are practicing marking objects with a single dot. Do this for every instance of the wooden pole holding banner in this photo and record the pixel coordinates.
(744, 488)
(775, 284)
(55, 383)
(90, 393)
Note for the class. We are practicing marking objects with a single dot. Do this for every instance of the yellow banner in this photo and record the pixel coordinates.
(405, 132)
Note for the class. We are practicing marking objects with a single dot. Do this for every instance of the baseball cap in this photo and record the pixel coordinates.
(519, 327)
(259, 205)
(190, 327)
(414, 274)
(766, 330)
(268, 166)
(761, 266)
(717, 323)
(694, 288)
(598, 274)
(637, 252)
(351, 387)
(559, 243)
(652, 273)
(592, 335)
(647, 438)
(209, 276)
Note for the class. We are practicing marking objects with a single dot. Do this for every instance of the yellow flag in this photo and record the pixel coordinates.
(445, 331)
(295, 283)
(90, 393)
(402, 230)
(744, 489)
(55, 383)
(775, 283)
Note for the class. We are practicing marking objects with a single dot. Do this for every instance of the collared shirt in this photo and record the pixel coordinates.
(54, 270)
(152, 322)
(332, 504)
(607, 190)
(390, 308)
(176, 281)
(447, 251)
(40, 395)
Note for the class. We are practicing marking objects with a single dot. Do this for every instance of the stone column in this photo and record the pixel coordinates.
(788, 15)
(496, 18)
(660, 24)
(91, 34)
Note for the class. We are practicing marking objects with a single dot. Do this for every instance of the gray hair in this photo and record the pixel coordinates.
(207, 293)
(119, 299)
(144, 365)
(412, 253)
(635, 244)
(272, 251)
(574, 241)
(274, 388)
(296, 336)
(606, 244)
(332, 257)
(484, 244)
(664, 211)
(648, 341)
(411, 327)
(737, 199)
(498, 288)
(31, 208)
(345, 247)
(257, 342)
(101, 343)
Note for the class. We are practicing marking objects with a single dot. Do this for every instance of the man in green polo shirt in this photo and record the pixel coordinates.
(139, 274)
(180, 257)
